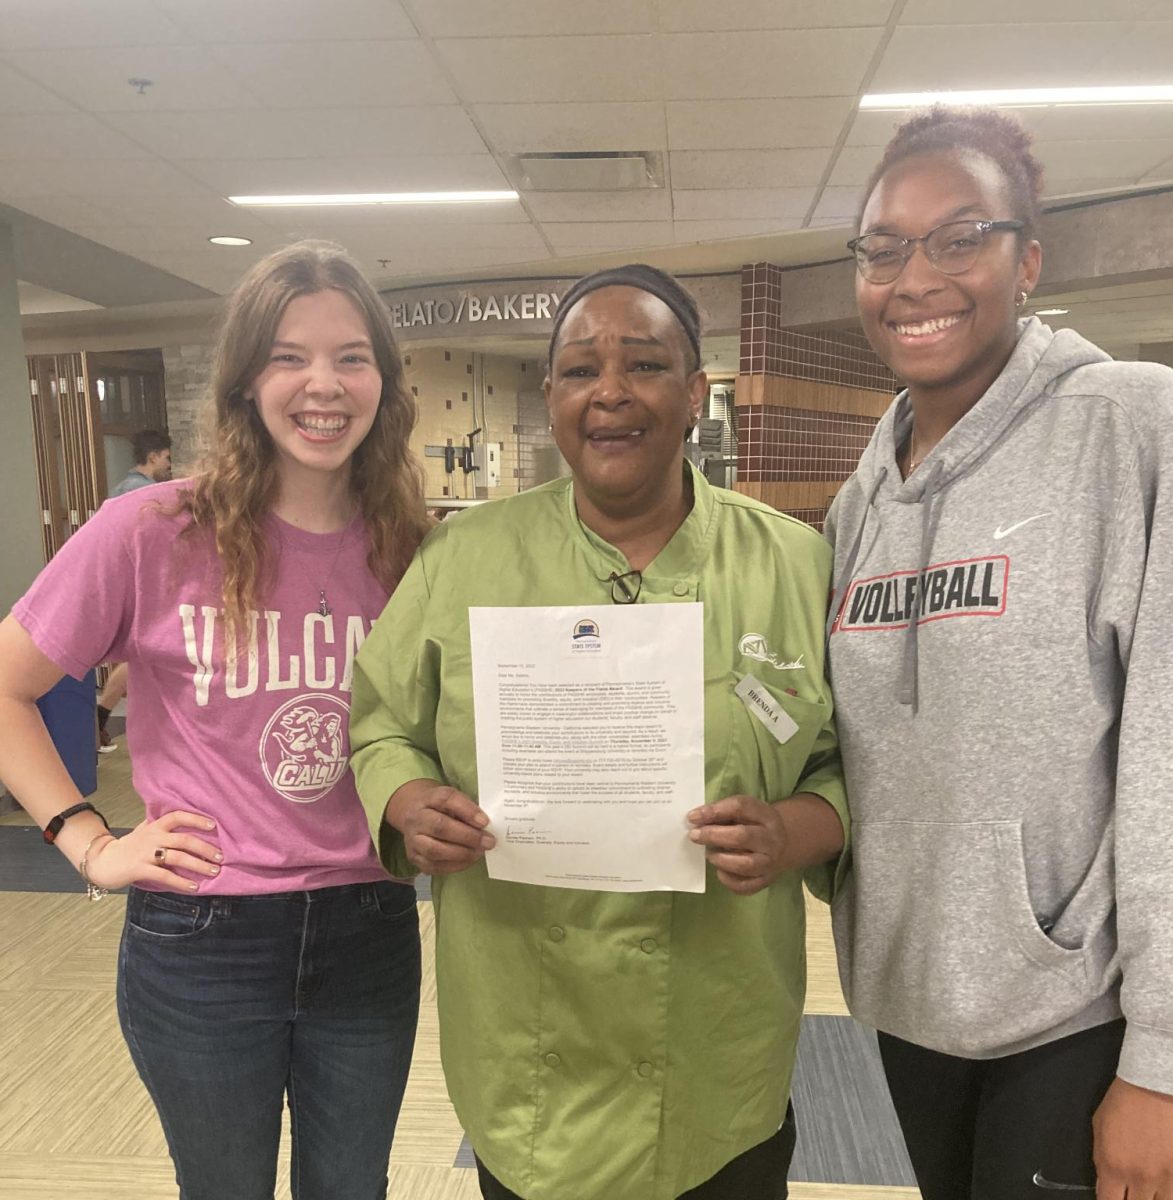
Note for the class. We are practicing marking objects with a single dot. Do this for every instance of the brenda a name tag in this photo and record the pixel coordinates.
(763, 706)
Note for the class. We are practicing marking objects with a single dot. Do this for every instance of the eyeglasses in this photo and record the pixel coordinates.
(952, 248)
(625, 588)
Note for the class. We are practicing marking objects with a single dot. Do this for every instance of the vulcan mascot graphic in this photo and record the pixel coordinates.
(304, 749)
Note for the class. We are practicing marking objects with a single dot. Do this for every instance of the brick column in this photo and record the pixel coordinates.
(806, 402)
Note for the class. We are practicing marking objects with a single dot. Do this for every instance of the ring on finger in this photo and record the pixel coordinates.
(160, 855)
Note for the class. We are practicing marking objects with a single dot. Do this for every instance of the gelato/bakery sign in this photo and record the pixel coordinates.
(472, 309)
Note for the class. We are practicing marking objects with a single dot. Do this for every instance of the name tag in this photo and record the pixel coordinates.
(762, 705)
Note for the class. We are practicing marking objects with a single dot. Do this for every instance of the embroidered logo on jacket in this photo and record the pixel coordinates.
(755, 646)
(973, 587)
(303, 747)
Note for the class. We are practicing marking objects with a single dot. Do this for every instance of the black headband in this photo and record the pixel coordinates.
(646, 279)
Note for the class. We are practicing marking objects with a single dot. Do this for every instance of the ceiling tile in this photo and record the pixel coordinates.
(545, 128)
(854, 166)
(337, 74)
(96, 79)
(191, 242)
(404, 260)
(710, 231)
(926, 57)
(1141, 54)
(573, 236)
(1109, 160)
(289, 20)
(839, 203)
(303, 133)
(747, 168)
(804, 62)
(105, 178)
(1095, 122)
(72, 212)
(744, 203)
(1014, 12)
(453, 217)
(416, 235)
(756, 124)
(60, 24)
(524, 18)
(21, 95)
(401, 173)
(63, 135)
(163, 213)
(504, 70)
(703, 16)
(654, 204)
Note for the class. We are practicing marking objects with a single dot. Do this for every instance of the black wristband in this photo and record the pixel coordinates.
(50, 832)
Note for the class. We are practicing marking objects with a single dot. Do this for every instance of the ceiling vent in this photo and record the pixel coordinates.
(588, 171)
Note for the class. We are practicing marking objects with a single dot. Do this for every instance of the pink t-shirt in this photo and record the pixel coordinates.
(262, 748)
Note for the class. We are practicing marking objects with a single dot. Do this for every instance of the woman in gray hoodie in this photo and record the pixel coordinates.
(1001, 646)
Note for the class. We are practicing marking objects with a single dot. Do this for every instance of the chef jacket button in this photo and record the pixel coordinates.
(557, 933)
(552, 1059)
(680, 589)
(645, 1069)
(648, 945)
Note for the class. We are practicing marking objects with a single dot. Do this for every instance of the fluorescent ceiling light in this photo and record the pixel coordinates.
(230, 241)
(1024, 97)
(1051, 312)
(381, 198)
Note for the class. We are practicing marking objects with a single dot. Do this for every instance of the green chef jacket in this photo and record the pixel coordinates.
(601, 1045)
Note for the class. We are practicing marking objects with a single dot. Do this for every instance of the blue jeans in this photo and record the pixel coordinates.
(230, 1003)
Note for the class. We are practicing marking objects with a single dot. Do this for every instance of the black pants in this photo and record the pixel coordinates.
(758, 1174)
(1003, 1128)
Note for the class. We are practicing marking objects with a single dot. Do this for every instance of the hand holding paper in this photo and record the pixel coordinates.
(750, 843)
(443, 830)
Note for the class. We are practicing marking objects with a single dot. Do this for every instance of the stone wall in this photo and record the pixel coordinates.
(187, 370)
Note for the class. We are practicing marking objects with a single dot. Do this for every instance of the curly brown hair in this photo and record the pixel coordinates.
(237, 483)
(995, 135)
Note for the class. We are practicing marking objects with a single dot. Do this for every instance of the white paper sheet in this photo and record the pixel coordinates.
(590, 743)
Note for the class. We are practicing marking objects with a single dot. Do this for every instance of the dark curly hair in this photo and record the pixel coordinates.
(995, 135)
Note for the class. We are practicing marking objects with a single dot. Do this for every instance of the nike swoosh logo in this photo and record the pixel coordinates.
(1040, 1182)
(1000, 533)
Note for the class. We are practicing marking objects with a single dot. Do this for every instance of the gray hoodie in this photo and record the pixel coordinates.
(1008, 754)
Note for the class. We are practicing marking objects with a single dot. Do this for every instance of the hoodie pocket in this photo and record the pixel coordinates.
(939, 942)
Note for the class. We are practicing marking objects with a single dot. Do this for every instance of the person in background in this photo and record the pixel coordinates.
(1002, 652)
(265, 953)
(152, 464)
(152, 461)
(609, 1045)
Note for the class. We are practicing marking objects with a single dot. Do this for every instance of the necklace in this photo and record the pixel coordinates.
(323, 609)
(913, 461)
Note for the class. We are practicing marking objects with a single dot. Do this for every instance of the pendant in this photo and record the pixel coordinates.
(324, 610)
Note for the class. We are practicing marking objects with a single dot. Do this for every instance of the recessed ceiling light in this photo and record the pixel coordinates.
(1025, 97)
(230, 241)
(1051, 312)
(381, 198)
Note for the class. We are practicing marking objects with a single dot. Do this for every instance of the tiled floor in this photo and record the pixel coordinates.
(74, 1120)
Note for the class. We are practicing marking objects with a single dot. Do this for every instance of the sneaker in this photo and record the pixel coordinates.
(106, 744)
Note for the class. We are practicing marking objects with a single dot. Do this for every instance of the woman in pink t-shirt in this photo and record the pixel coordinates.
(265, 954)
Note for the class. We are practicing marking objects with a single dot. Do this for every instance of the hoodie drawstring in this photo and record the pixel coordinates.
(908, 690)
(844, 583)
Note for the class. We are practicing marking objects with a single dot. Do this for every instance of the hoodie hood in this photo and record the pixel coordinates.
(1041, 358)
